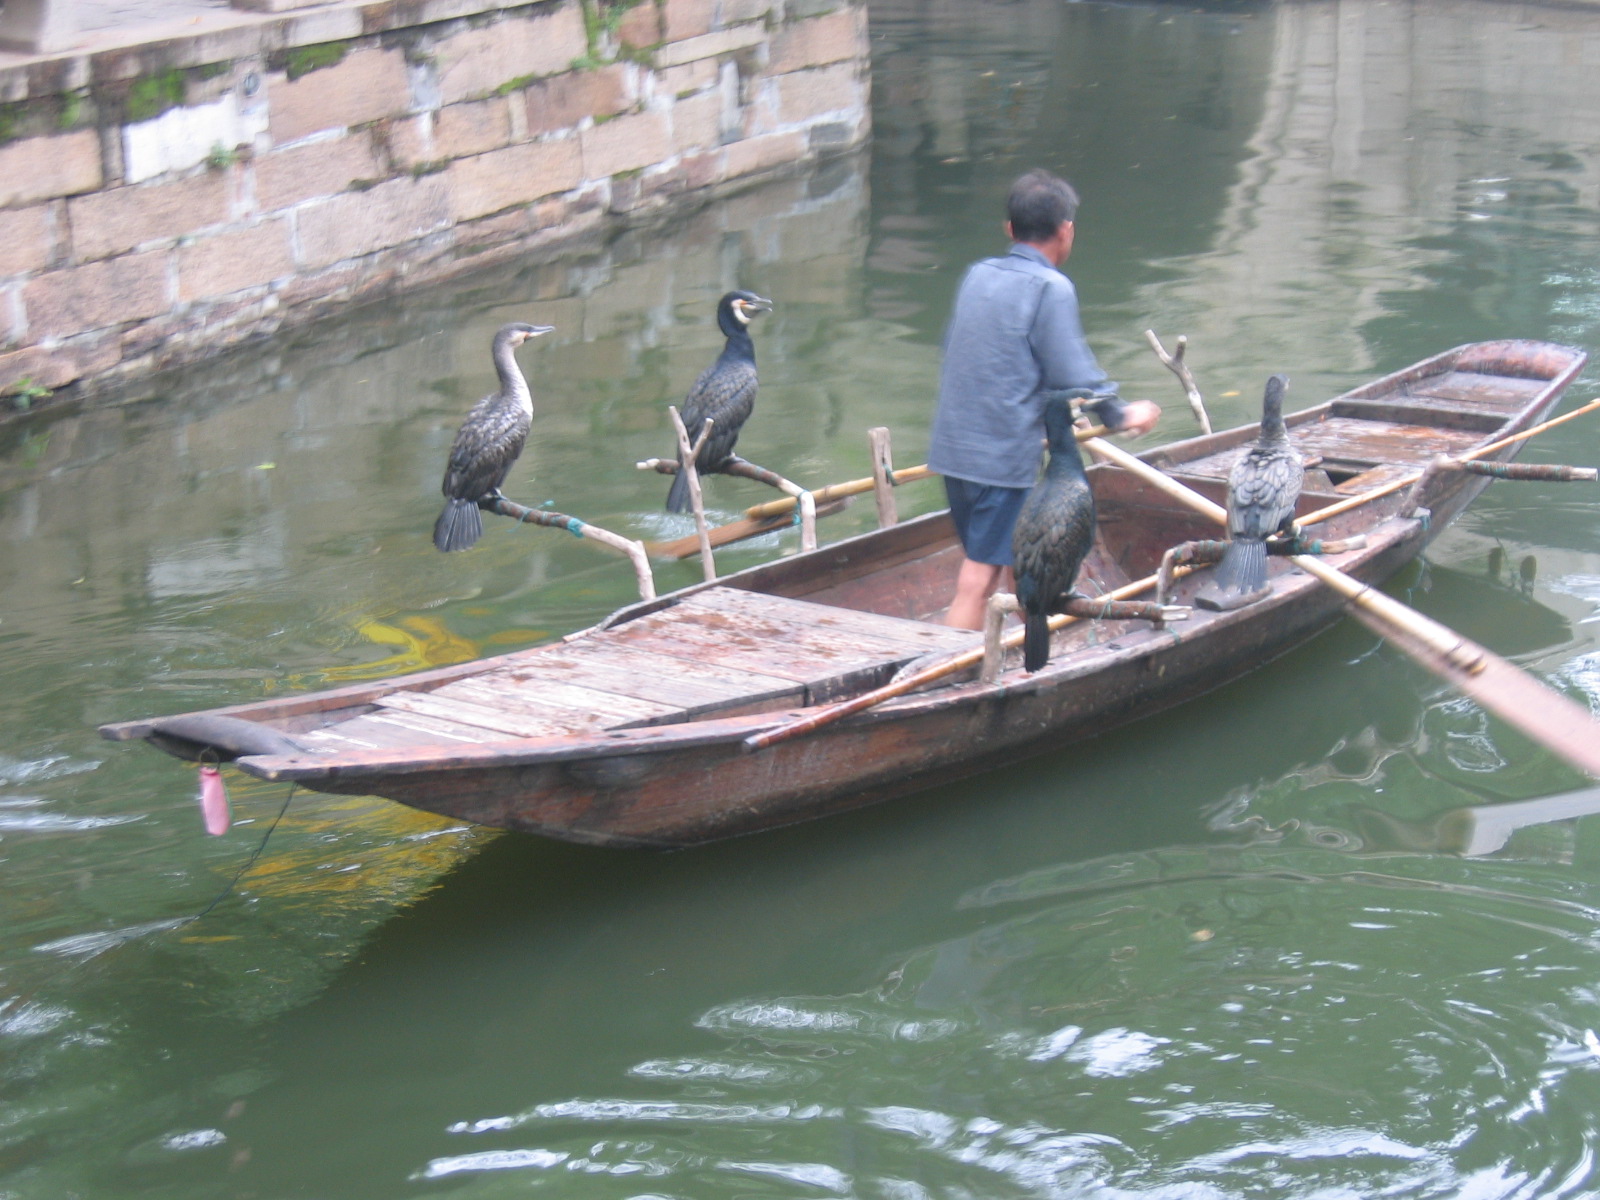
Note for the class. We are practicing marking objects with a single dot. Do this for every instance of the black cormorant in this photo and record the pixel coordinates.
(1054, 531)
(1262, 490)
(487, 444)
(725, 392)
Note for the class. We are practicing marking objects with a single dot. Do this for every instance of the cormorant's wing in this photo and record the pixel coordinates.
(487, 445)
(725, 392)
(1262, 490)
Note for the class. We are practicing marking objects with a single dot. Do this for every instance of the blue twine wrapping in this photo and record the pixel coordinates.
(575, 527)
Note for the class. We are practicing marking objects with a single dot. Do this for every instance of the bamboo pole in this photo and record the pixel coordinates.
(855, 487)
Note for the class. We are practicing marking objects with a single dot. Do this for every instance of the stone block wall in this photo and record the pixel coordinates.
(162, 200)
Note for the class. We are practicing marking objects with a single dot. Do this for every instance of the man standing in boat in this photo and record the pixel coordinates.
(1014, 337)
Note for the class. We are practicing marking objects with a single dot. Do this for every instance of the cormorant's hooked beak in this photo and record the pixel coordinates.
(533, 331)
(745, 309)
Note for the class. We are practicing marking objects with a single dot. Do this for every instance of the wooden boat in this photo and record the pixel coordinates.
(630, 733)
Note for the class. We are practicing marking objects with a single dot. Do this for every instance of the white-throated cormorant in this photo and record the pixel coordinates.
(489, 441)
(1054, 531)
(1262, 490)
(725, 392)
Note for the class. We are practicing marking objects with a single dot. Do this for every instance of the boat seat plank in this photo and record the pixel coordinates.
(480, 716)
(539, 694)
(601, 664)
(899, 631)
(1495, 393)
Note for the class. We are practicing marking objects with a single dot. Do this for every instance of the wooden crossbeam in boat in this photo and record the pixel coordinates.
(1499, 394)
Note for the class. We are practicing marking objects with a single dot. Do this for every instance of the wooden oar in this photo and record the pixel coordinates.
(1509, 692)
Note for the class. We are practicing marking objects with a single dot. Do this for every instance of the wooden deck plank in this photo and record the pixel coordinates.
(537, 692)
(1353, 440)
(424, 730)
(601, 664)
(836, 641)
(921, 636)
(695, 643)
(480, 716)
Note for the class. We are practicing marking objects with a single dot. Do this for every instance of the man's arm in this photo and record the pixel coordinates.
(1065, 361)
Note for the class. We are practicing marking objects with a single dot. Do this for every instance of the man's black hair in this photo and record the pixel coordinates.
(1038, 204)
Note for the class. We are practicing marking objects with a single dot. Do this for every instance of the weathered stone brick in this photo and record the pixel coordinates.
(821, 40)
(61, 364)
(287, 177)
(641, 25)
(687, 79)
(561, 101)
(26, 242)
(214, 266)
(626, 143)
(735, 11)
(686, 18)
(358, 223)
(409, 140)
(806, 94)
(762, 153)
(41, 168)
(488, 183)
(473, 127)
(709, 45)
(367, 85)
(108, 223)
(96, 295)
(697, 122)
(476, 62)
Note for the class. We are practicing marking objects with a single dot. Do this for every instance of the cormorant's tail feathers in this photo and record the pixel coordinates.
(459, 526)
(1243, 568)
(1035, 641)
(1241, 577)
(678, 497)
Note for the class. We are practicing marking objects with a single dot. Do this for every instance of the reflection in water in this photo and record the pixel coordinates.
(1258, 945)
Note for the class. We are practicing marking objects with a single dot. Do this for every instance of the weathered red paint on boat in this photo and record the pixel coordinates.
(687, 782)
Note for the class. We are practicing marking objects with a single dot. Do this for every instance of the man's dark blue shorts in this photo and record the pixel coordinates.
(984, 516)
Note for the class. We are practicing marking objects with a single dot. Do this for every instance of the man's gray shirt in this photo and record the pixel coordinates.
(1014, 337)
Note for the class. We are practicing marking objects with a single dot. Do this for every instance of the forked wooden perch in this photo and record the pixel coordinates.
(538, 516)
(1174, 363)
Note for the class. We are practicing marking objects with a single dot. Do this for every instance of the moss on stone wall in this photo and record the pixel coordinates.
(303, 60)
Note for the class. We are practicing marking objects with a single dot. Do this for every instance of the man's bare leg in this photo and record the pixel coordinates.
(975, 583)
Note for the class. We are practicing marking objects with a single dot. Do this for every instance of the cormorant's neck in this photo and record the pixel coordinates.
(740, 344)
(512, 381)
(1065, 458)
(1272, 426)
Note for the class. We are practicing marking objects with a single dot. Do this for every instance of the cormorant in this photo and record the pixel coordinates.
(1054, 531)
(725, 392)
(488, 443)
(1262, 490)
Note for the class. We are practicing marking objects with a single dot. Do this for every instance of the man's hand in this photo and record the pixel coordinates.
(1138, 417)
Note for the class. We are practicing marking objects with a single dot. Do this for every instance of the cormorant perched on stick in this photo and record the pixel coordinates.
(1262, 490)
(488, 443)
(725, 392)
(1053, 533)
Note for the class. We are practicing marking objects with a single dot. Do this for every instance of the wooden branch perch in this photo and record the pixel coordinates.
(1174, 363)
(537, 516)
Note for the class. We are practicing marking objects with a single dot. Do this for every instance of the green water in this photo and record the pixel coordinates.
(1231, 951)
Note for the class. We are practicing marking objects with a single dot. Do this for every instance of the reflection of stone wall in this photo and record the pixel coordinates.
(1385, 126)
(310, 465)
(160, 200)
